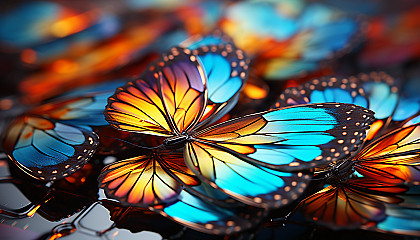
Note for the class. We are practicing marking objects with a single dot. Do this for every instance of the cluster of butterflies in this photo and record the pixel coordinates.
(222, 177)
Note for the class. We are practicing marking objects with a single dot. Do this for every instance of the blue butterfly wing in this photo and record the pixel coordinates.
(376, 91)
(297, 135)
(382, 92)
(406, 109)
(409, 104)
(325, 89)
(226, 68)
(164, 184)
(201, 215)
(404, 221)
(55, 139)
(249, 183)
(81, 107)
(255, 158)
(46, 149)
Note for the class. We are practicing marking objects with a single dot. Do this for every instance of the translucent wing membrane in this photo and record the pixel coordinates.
(226, 70)
(183, 88)
(392, 158)
(325, 89)
(147, 180)
(55, 139)
(47, 149)
(249, 183)
(351, 204)
(376, 91)
(85, 111)
(293, 138)
(404, 221)
(138, 107)
(198, 214)
(382, 91)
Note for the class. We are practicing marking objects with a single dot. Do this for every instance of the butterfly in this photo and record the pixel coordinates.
(54, 139)
(301, 45)
(251, 158)
(377, 91)
(373, 178)
(386, 168)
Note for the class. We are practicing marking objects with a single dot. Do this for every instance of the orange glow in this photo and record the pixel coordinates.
(209, 110)
(28, 56)
(82, 67)
(254, 91)
(374, 129)
(55, 236)
(64, 66)
(73, 24)
(33, 211)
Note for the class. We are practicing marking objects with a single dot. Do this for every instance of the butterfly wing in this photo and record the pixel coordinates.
(376, 91)
(163, 183)
(147, 180)
(168, 98)
(47, 149)
(292, 138)
(351, 204)
(249, 183)
(400, 220)
(393, 158)
(325, 89)
(198, 214)
(81, 107)
(226, 69)
(182, 82)
(239, 156)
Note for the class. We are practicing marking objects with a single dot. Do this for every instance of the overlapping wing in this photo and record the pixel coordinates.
(183, 89)
(249, 183)
(81, 107)
(394, 158)
(322, 90)
(47, 149)
(138, 107)
(226, 68)
(382, 91)
(147, 180)
(196, 213)
(351, 204)
(292, 138)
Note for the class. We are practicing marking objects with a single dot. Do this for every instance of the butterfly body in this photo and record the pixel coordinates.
(176, 142)
(340, 173)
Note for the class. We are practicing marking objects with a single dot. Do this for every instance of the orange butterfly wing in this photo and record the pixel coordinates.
(147, 180)
(393, 158)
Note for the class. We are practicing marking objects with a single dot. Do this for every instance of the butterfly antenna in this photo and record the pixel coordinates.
(133, 144)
